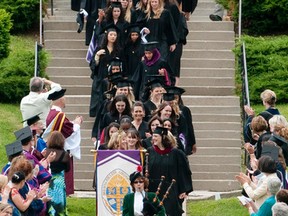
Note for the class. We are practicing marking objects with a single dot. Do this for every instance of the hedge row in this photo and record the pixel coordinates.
(267, 65)
(260, 17)
(18, 68)
(5, 26)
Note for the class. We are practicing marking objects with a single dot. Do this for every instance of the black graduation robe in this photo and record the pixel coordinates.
(190, 136)
(173, 165)
(140, 77)
(162, 30)
(143, 128)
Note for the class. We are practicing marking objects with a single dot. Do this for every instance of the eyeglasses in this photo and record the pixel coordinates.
(136, 182)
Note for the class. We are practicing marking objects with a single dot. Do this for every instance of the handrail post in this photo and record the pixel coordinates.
(52, 6)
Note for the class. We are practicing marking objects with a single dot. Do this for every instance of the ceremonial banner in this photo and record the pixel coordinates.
(112, 179)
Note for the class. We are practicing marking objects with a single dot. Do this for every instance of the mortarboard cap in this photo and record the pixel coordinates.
(174, 90)
(56, 95)
(133, 28)
(116, 4)
(24, 135)
(149, 46)
(115, 77)
(116, 62)
(266, 115)
(124, 83)
(161, 131)
(14, 148)
(168, 96)
(32, 120)
(110, 28)
(111, 93)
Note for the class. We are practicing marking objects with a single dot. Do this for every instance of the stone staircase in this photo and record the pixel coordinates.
(207, 74)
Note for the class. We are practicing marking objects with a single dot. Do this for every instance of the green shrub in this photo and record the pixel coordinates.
(25, 13)
(267, 65)
(260, 17)
(18, 68)
(5, 26)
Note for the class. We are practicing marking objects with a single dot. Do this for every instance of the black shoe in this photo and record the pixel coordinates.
(214, 17)
(80, 21)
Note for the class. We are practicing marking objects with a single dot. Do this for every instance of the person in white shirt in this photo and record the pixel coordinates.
(37, 100)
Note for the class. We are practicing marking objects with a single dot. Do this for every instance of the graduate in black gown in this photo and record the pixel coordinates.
(161, 27)
(138, 113)
(152, 64)
(91, 7)
(152, 97)
(133, 49)
(190, 144)
(154, 122)
(114, 15)
(108, 50)
(166, 160)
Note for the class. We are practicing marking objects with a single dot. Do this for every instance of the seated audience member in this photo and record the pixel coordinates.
(141, 202)
(273, 186)
(282, 196)
(258, 192)
(4, 189)
(280, 209)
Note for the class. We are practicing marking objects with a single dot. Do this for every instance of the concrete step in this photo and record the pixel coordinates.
(212, 126)
(211, 35)
(72, 80)
(71, 62)
(68, 71)
(210, 26)
(235, 151)
(207, 72)
(220, 159)
(209, 90)
(220, 133)
(216, 117)
(214, 176)
(207, 63)
(60, 34)
(209, 54)
(215, 109)
(223, 142)
(206, 81)
(208, 45)
(211, 100)
(83, 184)
(215, 167)
(65, 44)
(72, 53)
(216, 185)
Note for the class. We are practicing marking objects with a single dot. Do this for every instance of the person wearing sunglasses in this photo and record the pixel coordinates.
(141, 202)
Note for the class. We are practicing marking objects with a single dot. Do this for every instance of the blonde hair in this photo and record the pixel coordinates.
(278, 120)
(140, 6)
(127, 16)
(3, 182)
(157, 13)
(268, 96)
(116, 139)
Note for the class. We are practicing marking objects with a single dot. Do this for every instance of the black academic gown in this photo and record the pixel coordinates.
(162, 30)
(91, 6)
(133, 56)
(141, 75)
(190, 135)
(173, 165)
(150, 107)
(143, 128)
(100, 82)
